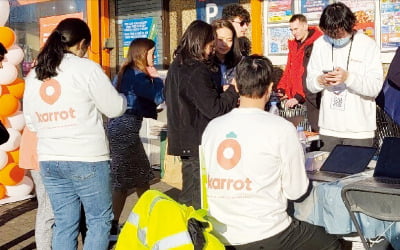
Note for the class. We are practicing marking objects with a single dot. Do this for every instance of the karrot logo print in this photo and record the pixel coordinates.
(229, 152)
(50, 91)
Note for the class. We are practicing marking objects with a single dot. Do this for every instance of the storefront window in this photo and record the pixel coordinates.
(33, 21)
(378, 19)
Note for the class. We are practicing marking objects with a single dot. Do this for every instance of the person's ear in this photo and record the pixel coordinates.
(81, 44)
(82, 47)
(268, 91)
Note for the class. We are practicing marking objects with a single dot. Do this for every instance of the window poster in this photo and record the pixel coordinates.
(390, 24)
(278, 42)
(139, 28)
(312, 9)
(365, 14)
(48, 24)
(279, 10)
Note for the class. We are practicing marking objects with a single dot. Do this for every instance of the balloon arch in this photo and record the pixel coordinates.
(14, 184)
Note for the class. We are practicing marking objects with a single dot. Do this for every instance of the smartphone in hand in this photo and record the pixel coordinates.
(326, 71)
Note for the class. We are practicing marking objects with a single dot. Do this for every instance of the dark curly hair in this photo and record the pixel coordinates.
(230, 11)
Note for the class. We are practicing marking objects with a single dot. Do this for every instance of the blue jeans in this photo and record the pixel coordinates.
(69, 184)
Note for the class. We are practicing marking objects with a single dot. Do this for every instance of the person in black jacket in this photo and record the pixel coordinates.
(192, 100)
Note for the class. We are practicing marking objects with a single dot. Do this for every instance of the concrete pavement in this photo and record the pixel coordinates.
(17, 220)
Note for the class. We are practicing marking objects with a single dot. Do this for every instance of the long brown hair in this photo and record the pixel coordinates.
(137, 57)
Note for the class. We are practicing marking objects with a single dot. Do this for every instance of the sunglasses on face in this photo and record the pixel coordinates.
(241, 23)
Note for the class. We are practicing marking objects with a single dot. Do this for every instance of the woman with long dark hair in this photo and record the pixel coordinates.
(193, 99)
(130, 167)
(227, 50)
(65, 97)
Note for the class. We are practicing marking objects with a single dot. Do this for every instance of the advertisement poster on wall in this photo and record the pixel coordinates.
(210, 10)
(140, 28)
(312, 9)
(278, 42)
(280, 10)
(390, 25)
(364, 10)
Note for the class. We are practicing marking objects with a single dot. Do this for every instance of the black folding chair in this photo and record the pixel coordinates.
(377, 200)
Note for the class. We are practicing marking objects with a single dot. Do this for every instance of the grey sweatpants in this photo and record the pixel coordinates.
(44, 216)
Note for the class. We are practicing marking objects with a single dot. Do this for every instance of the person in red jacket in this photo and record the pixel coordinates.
(293, 82)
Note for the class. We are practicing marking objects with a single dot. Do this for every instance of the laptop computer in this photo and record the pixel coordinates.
(386, 177)
(344, 160)
(387, 168)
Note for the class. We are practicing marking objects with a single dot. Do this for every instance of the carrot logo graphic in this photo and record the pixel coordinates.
(229, 152)
(50, 91)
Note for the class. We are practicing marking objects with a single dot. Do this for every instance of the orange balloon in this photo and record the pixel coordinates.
(4, 90)
(16, 88)
(11, 174)
(13, 156)
(9, 105)
(2, 191)
(7, 37)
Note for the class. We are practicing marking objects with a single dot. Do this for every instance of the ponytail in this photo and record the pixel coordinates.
(68, 33)
(50, 56)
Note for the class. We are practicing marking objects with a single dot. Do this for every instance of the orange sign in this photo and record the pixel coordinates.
(48, 24)
(25, 2)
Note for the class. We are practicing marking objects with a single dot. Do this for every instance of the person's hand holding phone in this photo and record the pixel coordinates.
(332, 78)
(336, 77)
(322, 79)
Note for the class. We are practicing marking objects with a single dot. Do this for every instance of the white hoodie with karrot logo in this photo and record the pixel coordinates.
(66, 111)
(254, 164)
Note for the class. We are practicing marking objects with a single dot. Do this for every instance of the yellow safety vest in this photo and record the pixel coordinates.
(158, 222)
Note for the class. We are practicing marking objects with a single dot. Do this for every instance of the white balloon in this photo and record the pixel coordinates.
(4, 11)
(16, 121)
(3, 159)
(14, 55)
(13, 142)
(23, 188)
(8, 73)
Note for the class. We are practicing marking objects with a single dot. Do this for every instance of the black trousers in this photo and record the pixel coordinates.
(190, 195)
(299, 235)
